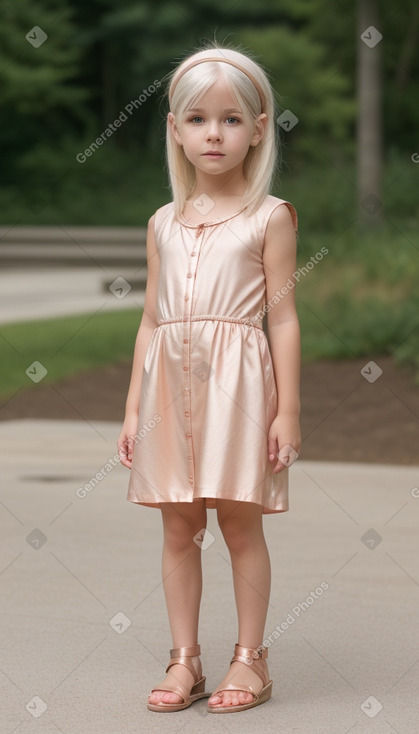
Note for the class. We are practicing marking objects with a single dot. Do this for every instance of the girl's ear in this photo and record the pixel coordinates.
(172, 123)
(260, 126)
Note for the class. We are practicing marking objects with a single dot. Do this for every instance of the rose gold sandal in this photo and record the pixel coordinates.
(180, 656)
(251, 657)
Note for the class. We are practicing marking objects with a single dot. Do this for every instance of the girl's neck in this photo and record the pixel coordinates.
(223, 188)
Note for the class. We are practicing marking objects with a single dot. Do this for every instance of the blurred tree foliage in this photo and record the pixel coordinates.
(55, 100)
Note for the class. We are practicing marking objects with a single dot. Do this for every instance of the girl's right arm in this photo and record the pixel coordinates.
(148, 324)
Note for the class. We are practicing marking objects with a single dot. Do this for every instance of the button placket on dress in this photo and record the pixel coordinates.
(210, 298)
(186, 352)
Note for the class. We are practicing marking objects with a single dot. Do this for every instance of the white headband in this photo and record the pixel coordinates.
(225, 61)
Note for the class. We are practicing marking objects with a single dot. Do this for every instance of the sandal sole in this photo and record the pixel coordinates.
(167, 707)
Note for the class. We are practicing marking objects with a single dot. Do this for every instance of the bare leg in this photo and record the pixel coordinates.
(182, 583)
(242, 528)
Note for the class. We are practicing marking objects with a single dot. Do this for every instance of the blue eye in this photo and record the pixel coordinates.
(198, 117)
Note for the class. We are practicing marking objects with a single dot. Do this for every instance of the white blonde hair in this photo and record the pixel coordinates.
(260, 161)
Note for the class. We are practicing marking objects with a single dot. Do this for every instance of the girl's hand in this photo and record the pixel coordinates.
(284, 437)
(126, 440)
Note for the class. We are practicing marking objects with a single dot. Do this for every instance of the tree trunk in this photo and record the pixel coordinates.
(407, 52)
(369, 123)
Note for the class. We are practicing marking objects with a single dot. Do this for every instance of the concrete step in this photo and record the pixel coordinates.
(103, 235)
(76, 246)
(83, 255)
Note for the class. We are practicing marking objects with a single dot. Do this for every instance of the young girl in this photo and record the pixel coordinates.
(212, 413)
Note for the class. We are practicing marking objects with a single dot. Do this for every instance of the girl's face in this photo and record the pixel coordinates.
(216, 124)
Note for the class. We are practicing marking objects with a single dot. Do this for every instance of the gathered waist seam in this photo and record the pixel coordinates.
(211, 317)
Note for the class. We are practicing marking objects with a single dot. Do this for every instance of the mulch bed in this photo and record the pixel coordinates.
(343, 417)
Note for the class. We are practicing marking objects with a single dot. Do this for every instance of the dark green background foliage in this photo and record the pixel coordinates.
(100, 55)
(57, 99)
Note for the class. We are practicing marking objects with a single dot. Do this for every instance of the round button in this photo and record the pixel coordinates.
(185, 341)
(186, 298)
(193, 254)
(185, 368)
(187, 412)
(189, 275)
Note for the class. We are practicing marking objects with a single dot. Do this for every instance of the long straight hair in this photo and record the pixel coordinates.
(261, 160)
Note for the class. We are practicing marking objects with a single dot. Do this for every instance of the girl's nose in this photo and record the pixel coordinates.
(213, 132)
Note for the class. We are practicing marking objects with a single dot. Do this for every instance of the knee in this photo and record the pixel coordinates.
(238, 537)
(181, 537)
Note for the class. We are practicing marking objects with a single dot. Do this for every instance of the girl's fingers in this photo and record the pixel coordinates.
(272, 448)
(278, 467)
(125, 452)
(130, 447)
(125, 461)
(287, 455)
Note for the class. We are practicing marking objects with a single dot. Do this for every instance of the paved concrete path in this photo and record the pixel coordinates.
(85, 636)
(30, 294)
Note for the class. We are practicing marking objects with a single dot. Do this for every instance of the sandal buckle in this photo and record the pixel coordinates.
(258, 652)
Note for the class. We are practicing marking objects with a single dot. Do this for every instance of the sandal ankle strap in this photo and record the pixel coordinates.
(182, 656)
(252, 657)
(249, 654)
(190, 652)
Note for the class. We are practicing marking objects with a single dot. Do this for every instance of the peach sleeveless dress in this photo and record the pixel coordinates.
(208, 392)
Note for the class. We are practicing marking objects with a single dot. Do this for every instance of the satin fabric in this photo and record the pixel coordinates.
(208, 391)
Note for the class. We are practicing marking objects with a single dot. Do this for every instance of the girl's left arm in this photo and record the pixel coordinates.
(280, 262)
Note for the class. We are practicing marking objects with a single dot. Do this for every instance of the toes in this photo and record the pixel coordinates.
(239, 698)
(218, 700)
(165, 697)
(215, 699)
(171, 698)
(246, 695)
(155, 697)
(230, 699)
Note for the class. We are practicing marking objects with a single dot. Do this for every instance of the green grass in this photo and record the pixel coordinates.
(361, 299)
(64, 346)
